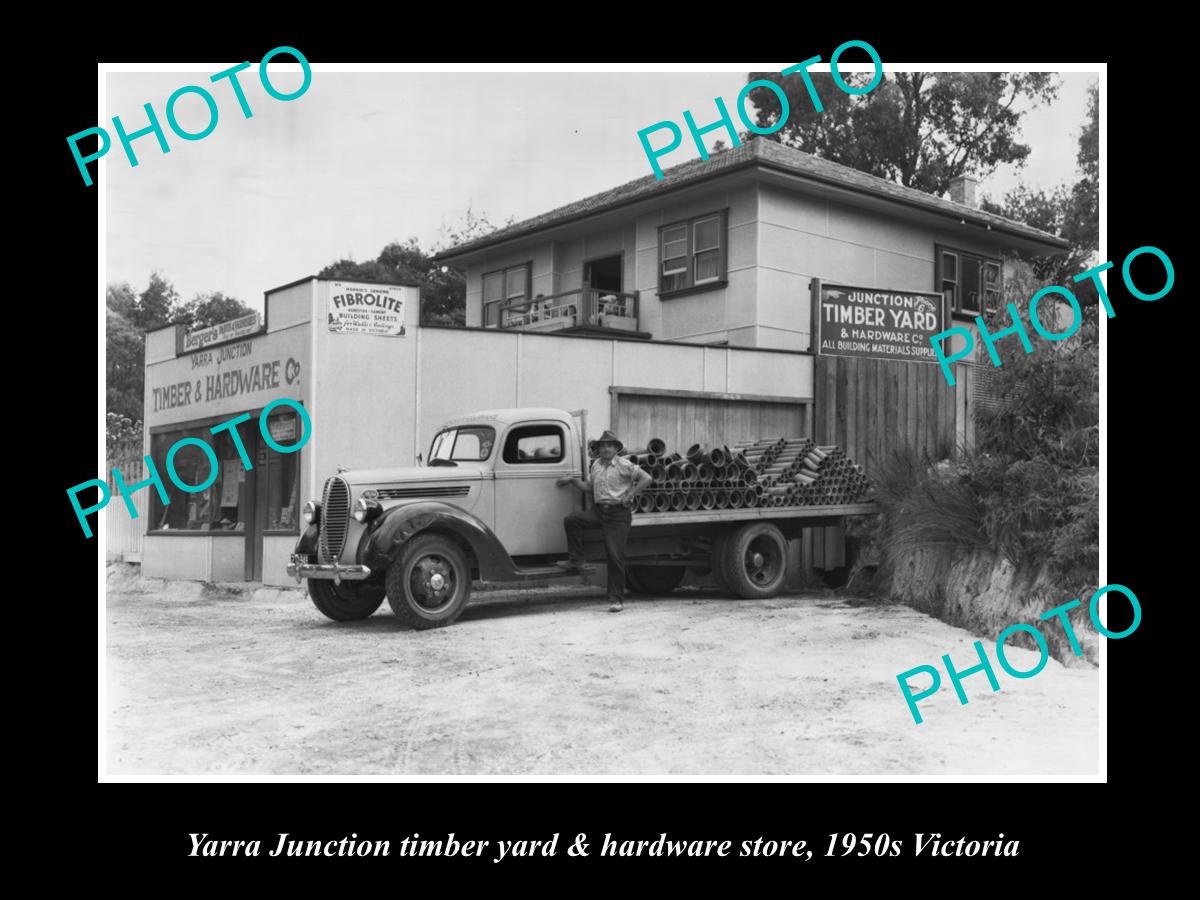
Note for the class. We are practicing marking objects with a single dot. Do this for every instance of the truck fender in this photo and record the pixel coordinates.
(307, 544)
(382, 545)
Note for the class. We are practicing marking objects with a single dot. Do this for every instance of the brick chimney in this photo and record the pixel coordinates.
(962, 190)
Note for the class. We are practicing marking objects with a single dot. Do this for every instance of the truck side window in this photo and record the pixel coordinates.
(534, 444)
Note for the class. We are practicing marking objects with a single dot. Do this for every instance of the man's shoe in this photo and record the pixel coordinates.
(568, 565)
(617, 606)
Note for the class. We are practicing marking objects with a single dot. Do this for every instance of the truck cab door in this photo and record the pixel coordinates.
(530, 507)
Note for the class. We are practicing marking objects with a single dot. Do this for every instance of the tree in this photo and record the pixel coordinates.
(404, 263)
(123, 437)
(446, 292)
(121, 299)
(155, 305)
(407, 263)
(443, 288)
(1038, 473)
(124, 365)
(920, 129)
(1082, 223)
(1069, 212)
(129, 316)
(208, 309)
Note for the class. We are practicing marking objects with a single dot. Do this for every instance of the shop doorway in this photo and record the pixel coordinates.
(275, 489)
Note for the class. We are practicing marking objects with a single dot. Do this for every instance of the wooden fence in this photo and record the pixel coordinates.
(870, 407)
(123, 533)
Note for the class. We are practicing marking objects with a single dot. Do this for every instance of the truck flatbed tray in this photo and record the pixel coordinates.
(701, 516)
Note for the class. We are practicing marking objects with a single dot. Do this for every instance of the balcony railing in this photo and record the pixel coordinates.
(585, 307)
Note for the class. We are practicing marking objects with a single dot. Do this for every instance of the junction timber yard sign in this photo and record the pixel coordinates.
(877, 323)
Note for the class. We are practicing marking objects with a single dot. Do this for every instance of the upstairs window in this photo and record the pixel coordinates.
(674, 258)
(693, 254)
(502, 287)
(970, 283)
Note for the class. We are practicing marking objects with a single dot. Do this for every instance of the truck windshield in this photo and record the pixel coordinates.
(472, 443)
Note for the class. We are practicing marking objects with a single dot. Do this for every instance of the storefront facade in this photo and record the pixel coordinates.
(231, 530)
(375, 398)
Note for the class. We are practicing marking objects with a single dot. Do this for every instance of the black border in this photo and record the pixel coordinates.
(1077, 834)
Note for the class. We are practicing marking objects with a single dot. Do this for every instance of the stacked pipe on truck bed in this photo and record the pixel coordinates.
(750, 474)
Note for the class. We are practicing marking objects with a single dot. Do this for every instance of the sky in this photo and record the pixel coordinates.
(362, 159)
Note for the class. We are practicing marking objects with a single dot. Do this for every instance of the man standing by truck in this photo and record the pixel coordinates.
(615, 482)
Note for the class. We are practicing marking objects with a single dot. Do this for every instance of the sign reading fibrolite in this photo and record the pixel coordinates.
(366, 309)
(877, 324)
(226, 331)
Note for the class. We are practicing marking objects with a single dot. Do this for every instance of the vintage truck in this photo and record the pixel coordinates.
(486, 506)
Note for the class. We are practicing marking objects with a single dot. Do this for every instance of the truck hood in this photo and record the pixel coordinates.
(413, 475)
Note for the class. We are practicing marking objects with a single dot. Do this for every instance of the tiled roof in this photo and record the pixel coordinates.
(755, 152)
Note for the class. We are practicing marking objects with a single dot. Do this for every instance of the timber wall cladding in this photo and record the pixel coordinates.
(870, 407)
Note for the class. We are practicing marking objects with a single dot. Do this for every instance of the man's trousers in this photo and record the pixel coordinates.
(614, 520)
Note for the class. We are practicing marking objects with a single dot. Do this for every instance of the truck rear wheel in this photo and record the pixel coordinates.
(346, 601)
(429, 585)
(754, 561)
(653, 579)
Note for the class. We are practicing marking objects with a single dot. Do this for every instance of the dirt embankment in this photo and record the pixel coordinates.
(985, 593)
(206, 679)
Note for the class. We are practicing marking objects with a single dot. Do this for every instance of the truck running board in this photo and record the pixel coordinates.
(535, 573)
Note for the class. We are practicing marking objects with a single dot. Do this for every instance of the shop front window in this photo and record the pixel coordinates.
(222, 506)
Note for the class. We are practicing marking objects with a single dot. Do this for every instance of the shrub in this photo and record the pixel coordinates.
(1029, 489)
(926, 504)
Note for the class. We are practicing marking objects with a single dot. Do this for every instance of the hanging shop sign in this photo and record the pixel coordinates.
(876, 323)
(219, 334)
(282, 428)
(366, 309)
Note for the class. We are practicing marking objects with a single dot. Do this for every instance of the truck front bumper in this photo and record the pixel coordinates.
(299, 568)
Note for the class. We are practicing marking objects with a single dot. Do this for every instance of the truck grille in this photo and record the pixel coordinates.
(335, 519)
(453, 490)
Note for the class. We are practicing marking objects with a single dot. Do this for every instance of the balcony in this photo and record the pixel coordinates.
(583, 310)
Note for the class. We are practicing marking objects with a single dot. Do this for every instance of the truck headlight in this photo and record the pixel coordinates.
(365, 510)
(312, 512)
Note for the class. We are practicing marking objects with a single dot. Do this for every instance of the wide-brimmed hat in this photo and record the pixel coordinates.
(609, 438)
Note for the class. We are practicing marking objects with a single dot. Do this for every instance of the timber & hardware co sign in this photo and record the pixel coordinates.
(874, 323)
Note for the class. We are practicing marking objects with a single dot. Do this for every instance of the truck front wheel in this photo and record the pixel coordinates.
(754, 561)
(429, 585)
(344, 602)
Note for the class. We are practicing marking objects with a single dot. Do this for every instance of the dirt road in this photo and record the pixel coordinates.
(206, 680)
